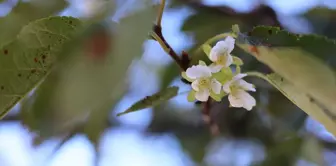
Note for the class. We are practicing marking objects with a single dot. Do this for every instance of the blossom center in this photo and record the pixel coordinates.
(233, 88)
(221, 60)
(204, 83)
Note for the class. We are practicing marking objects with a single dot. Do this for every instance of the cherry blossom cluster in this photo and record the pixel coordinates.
(217, 79)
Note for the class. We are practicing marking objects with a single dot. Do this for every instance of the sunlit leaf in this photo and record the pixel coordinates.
(153, 100)
(303, 100)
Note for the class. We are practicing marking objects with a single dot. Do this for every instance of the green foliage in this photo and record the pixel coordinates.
(302, 99)
(26, 61)
(153, 100)
(307, 63)
(22, 14)
(84, 86)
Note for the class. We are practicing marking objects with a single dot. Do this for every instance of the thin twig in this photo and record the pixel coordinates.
(160, 13)
(182, 64)
(158, 36)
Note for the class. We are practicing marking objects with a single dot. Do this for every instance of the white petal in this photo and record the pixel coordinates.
(217, 50)
(213, 56)
(238, 76)
(229, 60)
(229, 44)
(216, 86)
(202, 95)
(195, 85)
(245, 85)
(197, 71)
(241, 98)
(215, 68)
(226, 87)
(234, 101)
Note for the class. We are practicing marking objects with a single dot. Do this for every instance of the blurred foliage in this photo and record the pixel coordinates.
(88, 72)
(24, 12)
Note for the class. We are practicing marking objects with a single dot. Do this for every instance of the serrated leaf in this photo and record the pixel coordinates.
(304, 101)
(304, 71)
(154, 100)
(26, 61)
(306, 61)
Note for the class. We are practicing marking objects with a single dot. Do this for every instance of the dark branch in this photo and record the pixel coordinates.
(182, 62)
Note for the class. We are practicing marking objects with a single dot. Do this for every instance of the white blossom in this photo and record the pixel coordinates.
(238, 97)
(220, 54)
(202, 82)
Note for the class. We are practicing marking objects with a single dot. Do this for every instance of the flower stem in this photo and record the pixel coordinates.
(215, 38)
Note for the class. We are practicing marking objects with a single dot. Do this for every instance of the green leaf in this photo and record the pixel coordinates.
(26, 61)
(303, 100)
(191, 96)
(86, 84)
(206, 48)
(154, 100)
(306, 61)
(303, 70)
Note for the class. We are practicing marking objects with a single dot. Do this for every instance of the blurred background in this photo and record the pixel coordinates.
(38, 132)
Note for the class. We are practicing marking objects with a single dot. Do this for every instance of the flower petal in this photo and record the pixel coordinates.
(226, 87)
(215, 68)
(229, 60)
(216, 86)
(229, 44)
(238, 76)
(241, 98)
(202, 95)
(217, 50)
(245, 85)
(197, 71)
(234, 101)
(213, 56)
(195, 85)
